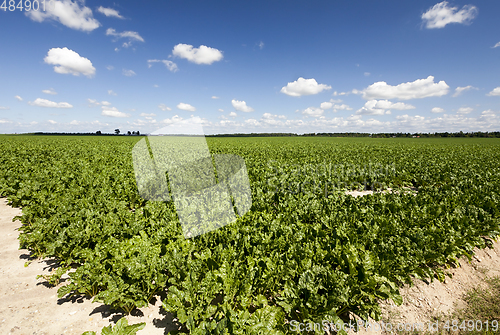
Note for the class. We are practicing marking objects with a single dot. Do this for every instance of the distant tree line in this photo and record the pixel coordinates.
(374, 135)
(98, 133)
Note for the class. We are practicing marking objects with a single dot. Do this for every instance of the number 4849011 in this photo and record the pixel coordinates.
(28, 5)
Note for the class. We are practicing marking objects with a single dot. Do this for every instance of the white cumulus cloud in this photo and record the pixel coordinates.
(111, 92)
(50, 91)
(164, 107)
(201, 55)
(442, 14)
(128, 73)
(68, 61)
(50, 104)
(459, 90)
(72, 14)
(303, 86)
(332, 104)
(109, 12)
(497, 45)
(130, 35)
(186, 107)
(233, 114)
(313, 111)
(215, 97)
(4, 108)
(241, 106)
(381, 107)
(437, 110)
(418, 89)
(464, 110)
(94, 103)
(18, 98)
(113, 112)
(494, 92)
(168, 63)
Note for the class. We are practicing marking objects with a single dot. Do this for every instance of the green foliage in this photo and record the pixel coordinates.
(121, 328)
(301, 253)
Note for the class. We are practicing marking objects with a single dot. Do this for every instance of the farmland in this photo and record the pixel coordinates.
(305, 252)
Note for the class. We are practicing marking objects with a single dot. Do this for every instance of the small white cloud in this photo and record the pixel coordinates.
(113, 112)
(164, 107)
(221, 110)
(49, 104)
(50, 91)
(186, 107)
(73, 15)
(132, 35)
(215, 97)
(110, 67)
(128, 73)
(441, 14)
(95, 103)
(233, 114)
(52, 121)
(168, 63)
(4, 108)
(332, 104)
(303, 86)
(464, 110)
(381, 107)
(488, 112)
(459, 90)
(418, 89)
(147, 115)
(495, 92)
(18, 98)
(69, 62)
(367, 74)
(437, 110)
(155, 86)
(201, 55)
(313, 111)
(342, 93)
(497, 45)
(126, 44)
(326, 105)
(269, 116)
(261, 45)
(241, 106)
(342, 107)
(109, 12)
(111, 92)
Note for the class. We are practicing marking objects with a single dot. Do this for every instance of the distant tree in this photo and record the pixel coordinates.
(98, 132)
(129, 133)
(117, 131)
(138, 133)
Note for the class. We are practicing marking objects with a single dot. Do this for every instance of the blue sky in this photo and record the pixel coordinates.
(251, 66)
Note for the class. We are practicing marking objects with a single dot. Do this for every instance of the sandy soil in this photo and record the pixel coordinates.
(27, 306)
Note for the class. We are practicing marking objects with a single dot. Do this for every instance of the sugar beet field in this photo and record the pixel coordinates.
(306, 251)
